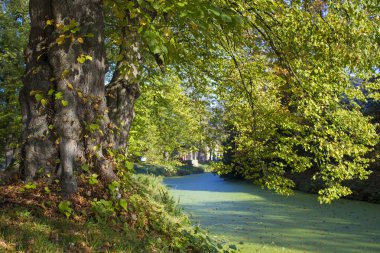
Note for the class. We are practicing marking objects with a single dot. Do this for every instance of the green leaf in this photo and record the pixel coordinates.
(30, 186)
(129, 165)
(85, 167)
(181, 4)
(226, 18)
(65, 208)
(47, 190)
(113, 187)
(123, 204)
(94, 127)
(215, 12)
(64, 102)
(58, 95)
(93, 179)
(38, 97)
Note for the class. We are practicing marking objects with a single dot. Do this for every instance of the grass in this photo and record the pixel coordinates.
(169, 170)
(25, 230)
(150, 222)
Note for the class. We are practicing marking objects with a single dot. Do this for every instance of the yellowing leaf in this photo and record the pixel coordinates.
(33, 92)
(81, 59)
(49, 22)
(69, 86)
(60, 26)
(80, 40)
(65, 73)
(43, 102)
(38, 57)
(64, 102)
(60, 39)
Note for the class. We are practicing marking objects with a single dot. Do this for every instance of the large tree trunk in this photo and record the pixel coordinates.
(124, 88)
(68, 126)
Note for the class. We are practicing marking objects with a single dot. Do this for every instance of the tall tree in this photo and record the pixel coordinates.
(14, 28)
(290, 60)
(124, 87)
(64, 114)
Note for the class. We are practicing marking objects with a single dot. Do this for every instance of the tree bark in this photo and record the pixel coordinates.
(64, 114)
(124, 88)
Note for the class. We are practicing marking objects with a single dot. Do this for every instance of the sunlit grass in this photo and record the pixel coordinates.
(23, 230)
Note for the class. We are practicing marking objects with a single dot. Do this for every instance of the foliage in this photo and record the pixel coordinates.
(275, 77)
(14, 23)
(168, 169)
(139, 210)
(298, 109)
(65, 208)
(166, 120)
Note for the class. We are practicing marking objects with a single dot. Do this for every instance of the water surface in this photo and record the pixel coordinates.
(259, 220)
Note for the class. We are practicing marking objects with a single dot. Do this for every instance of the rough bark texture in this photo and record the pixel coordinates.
(70, 127)
(38, 150)
(124, 88)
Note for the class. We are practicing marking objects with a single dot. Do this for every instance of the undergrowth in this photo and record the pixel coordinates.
(134, 215)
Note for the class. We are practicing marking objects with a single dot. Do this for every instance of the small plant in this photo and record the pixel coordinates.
(85, 167)
(103, 208)
(47, 190)
(123, 204)
(28, 186)
(114, 188)
(65, 208)
(93, 179)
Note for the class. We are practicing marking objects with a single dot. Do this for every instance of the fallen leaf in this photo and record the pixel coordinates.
(7, 246)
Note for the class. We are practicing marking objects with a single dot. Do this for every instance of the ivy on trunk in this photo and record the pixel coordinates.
(65, 121)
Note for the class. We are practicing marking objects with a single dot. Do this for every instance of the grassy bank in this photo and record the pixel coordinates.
(149, 220)
(169, 169)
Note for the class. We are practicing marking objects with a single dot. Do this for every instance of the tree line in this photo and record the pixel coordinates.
(284, 86)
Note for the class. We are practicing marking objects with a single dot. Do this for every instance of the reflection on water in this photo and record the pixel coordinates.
(262, 221)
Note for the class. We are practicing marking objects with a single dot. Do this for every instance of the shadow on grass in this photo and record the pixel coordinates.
(27, 230)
